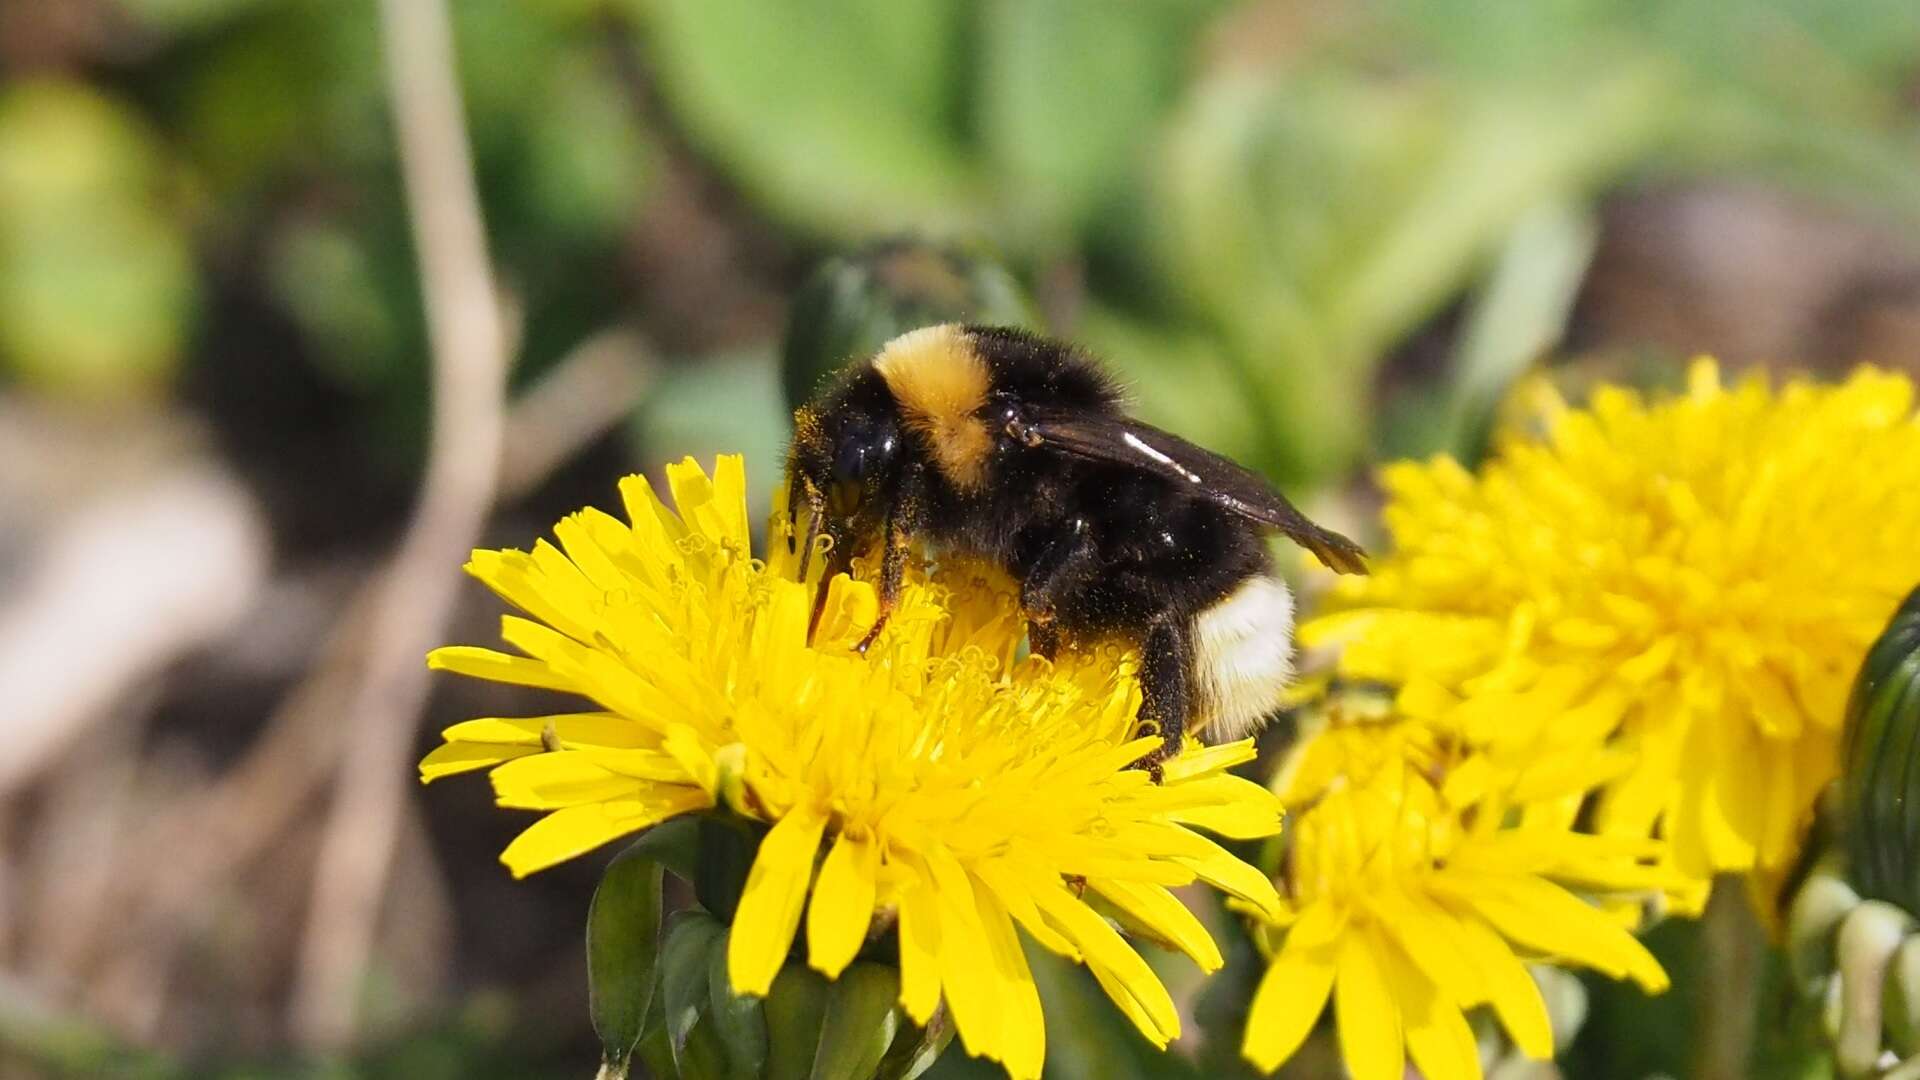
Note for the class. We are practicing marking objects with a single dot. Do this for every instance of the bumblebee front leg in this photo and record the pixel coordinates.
(1166, 693)
(893, 572)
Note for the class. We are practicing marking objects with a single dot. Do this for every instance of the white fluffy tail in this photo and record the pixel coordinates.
(1243, 658)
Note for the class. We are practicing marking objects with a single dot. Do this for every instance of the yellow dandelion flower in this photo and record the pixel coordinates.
(1415, 887)
(934, 778)
(1694, 579)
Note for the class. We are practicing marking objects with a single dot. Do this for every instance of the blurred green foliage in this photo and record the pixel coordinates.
(1268, 210)
(95, 273)
(1253, 204)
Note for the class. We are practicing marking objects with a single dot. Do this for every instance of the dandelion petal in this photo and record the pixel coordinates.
(919, 954)
(576, 830)
(842, 904)
(770, 905)
(1290, 999)
(459, 757)
(1371, 1040)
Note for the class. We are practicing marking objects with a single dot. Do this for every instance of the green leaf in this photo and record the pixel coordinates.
(738, 1020)
(623, 939)
(1317, 218)
(587, 177)
(1503, 157)
(861, 1022)
(684, 962)
(1069, 94)
(795, 1007)
(841, 116)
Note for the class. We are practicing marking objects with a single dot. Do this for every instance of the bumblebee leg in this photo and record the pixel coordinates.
(1043, 638)
(796, 491)
(816, 524)
(1165, 660)
(893, 572)
(1063, 567)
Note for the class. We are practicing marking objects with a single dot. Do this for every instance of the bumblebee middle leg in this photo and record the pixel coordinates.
(1166, 691)
(1043, 638)
(1062, 568)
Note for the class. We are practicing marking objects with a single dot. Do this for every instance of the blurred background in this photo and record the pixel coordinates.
(1311, 234)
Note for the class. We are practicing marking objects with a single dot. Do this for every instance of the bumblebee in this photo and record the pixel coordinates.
(1018, 449)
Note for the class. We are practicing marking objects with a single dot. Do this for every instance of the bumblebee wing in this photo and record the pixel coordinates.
(1117, 440)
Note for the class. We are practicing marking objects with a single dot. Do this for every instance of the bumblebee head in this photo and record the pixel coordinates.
(844, 466)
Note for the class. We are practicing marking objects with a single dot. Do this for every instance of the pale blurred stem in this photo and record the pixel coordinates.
(469, 362)
(1733, 947)
(591, 391)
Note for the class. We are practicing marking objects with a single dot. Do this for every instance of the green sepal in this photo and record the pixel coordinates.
(623, 937)
(727, 850)
(795, 1007)
(860, 1024)
(704, 1057)
(915, 1049)
(690, 940)
(656, 1048)
(738, 1019)
(673, 844)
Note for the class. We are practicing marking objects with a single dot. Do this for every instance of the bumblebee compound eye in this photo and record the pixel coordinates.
(861, 457)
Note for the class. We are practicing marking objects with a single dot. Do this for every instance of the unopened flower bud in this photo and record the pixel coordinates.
(853, 304)
(1880, 787)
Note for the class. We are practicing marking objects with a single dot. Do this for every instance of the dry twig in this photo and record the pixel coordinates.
(593, 389)
(469, 373)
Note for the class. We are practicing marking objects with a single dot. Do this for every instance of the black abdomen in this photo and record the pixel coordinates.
(1162, 553)
(1155, 550)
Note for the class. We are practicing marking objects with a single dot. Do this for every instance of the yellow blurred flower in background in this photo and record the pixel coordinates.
(1419, 884)
(946, 783)
(1693, 579)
